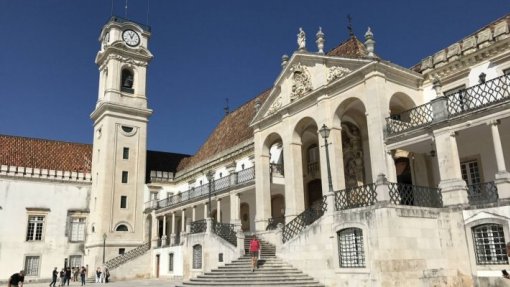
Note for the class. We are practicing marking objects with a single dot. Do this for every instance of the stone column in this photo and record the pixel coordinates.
(294, 190)
(206, 215)
(262, 186)
(183, 220)
(155, 228)
(193, 213)
(453, 187)
(235, 208)
(218, 210)
(164, 241)
(390, 164)
(502, 177)
(174, 230)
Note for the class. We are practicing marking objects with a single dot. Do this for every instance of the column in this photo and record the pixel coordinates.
(218, 210)
(164, 237)
(453, 187)
(502, 178)
(336, 160)
(193, 213)
(206, 215)
(235, 208)
(294, 190)
(155, 229)
(262, 185)
(174, 230)
(390, 164)
(183, 220)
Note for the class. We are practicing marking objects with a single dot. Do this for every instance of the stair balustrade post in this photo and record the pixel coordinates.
(382, 188)
(208, 229)
(240, 238)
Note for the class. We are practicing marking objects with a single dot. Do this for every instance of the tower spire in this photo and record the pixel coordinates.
(349, 25)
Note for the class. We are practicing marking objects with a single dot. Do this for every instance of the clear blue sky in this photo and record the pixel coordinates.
(205, 51)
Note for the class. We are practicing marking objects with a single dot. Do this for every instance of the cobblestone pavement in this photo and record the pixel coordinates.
(129, 283)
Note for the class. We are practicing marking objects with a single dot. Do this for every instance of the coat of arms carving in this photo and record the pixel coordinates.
(337, 73)
(301, 83)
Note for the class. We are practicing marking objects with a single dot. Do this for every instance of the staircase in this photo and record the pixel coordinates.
(271, 271)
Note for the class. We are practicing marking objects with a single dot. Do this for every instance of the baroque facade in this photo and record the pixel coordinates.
(361, 172)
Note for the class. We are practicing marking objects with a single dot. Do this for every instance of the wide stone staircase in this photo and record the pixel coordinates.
(271, 271)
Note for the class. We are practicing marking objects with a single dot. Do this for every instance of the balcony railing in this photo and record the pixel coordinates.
(481, 193)
(408, 194)
(217, 186)
(356, 197)
(466, 100)
(198, 226)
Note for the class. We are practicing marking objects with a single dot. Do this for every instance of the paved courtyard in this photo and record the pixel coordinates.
(130, 283)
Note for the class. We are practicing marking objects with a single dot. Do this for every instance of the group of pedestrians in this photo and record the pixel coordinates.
(102, 275)
(66, 274)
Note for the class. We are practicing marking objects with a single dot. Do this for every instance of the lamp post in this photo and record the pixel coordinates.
(324, 132)
(104, 245)
(210, 177)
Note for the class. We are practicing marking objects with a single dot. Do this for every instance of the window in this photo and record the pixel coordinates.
(123, 201)
(77, 230)
(32, 265)
(197, 256)
(350, 248)
(125, 153)
(127, 81)
(470, 172)
(122, 251)
(124, 176)
(313, 159)
(75, 261)
(121, 227)
(171, 262)
(489, 244)
(35, 227)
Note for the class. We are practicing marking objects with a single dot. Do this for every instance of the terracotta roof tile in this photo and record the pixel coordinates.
(232, 130)
(45, 154)
(352, 48)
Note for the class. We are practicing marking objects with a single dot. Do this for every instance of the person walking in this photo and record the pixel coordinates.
(83, 272)
(54, 276)
(17, 279)
(62, 276)
(254, 251)
(98, 275)
(68, 275)
(106, 275)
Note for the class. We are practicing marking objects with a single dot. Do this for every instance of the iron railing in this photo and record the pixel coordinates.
(465, 100)
(481, 193)
(408, 194)
(272, 222)
(216, 186)
(198, 226)
(358, 196)
(131, 254)
(225, 231)
(304, 219)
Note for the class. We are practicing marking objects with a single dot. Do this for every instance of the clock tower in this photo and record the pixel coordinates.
(116, 224)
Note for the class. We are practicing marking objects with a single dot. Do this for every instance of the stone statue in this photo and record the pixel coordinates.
(301, 40)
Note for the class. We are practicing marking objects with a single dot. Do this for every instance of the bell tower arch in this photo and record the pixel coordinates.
(120, 141)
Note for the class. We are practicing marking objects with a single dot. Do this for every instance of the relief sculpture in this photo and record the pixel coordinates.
(301, 83)
(353, 155)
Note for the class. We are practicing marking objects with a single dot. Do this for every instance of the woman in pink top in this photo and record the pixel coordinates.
(254, 251)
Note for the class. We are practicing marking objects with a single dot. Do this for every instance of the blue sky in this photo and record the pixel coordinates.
(205, 51)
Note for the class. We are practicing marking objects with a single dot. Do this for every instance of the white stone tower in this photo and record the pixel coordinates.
(120, 120)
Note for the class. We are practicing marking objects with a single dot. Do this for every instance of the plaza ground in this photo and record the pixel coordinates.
(129, 283)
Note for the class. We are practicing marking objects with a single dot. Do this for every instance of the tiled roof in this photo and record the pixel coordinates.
(352, 48)
(45, 154)
(232, 130)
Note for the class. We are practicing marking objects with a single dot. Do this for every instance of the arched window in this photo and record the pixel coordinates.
(121, 227)
(489, 244)
(126, 83)
(197, 256)
(350, 248)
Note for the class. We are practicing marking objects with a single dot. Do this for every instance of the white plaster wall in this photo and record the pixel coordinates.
(15, 196)
(164, 255)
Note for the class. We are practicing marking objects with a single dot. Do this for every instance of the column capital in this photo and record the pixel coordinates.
(493, 122)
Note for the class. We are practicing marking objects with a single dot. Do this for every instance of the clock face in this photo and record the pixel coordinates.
(131, 38)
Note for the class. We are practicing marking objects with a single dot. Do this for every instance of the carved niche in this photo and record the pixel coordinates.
(337, 73)
(301, 83)
(354, 169)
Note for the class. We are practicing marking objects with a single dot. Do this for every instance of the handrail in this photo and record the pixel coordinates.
(304, 219)
(131, 254)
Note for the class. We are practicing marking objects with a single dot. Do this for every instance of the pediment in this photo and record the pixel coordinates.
(302, 75)
(485, 215)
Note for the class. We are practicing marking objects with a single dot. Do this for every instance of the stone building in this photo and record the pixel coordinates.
(360, 172)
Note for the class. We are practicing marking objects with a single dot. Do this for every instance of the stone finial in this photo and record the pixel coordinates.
(285, 60)
(257, 105)
(369, 42)
(301, 40)
(437, 86)
(320, 41)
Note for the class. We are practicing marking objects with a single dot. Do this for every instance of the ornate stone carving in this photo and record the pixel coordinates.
(337, 73)
(354, 169)
(301, 40)
(301, 83)
(275, 106)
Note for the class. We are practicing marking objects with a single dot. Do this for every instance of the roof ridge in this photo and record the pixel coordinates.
(42, 139)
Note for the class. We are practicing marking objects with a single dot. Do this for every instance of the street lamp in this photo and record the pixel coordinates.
(104, 245)
(210, 177)
(324, 132)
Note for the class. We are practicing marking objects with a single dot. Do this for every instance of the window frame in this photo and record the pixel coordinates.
(492, 245)
(366, 247)
(124, 177)
(171, 258)
(38, 267)
(200, 264)
(81, 223)
(125, 153)
(36, 213)
(123, 202)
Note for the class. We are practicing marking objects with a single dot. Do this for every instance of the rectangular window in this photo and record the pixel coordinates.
(350, 248)
(77, 229)
(123, 201)
(32, 265)
(122, 251)
(171, 262)
(35, 228)
(489, 241)
(125, 153)
(124, 177)
(470, 172)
